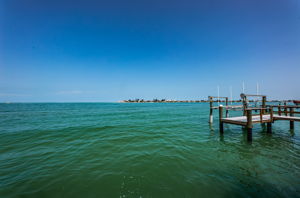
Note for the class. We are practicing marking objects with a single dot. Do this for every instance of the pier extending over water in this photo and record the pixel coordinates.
(264, 114)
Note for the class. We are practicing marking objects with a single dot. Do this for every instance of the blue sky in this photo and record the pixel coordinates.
(88, 50)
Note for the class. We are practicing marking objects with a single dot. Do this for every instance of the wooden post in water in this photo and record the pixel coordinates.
(292, 122)
(227, 112)
(211, 118)
(249, 124)
(220, 119)
(269, 124)
(269, 127)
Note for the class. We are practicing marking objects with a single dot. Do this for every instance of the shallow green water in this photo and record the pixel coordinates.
(140, 150)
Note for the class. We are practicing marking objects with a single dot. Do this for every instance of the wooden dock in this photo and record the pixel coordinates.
(267, 114)
(212, 107)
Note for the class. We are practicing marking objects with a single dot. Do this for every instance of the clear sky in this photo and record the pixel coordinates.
(96, 50)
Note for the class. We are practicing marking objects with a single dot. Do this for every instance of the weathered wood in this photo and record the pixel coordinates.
(242, 120)
(249, 118)
(282, 117)
(245, 105)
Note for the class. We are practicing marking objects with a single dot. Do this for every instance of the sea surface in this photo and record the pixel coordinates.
(141, 150)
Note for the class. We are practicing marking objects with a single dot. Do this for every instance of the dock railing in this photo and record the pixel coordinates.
(286, 112)
(226, 101)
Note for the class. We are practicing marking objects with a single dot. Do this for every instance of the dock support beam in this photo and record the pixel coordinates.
(249, 125)
(220, 119)
(292, 122)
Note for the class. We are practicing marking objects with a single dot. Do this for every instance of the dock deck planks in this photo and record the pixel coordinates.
(242, 120)
(282, 117)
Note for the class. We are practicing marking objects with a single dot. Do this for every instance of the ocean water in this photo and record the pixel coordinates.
(140, 150)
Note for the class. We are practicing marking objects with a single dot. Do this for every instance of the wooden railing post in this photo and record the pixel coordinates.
(261, 115)
(264, 100)
(285, 109)
(220, 119)
(269, 124)
(271, 114)
(249, 124)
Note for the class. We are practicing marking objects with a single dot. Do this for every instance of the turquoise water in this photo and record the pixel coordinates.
(140, 150)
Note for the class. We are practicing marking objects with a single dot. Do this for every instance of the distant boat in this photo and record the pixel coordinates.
(296, 102)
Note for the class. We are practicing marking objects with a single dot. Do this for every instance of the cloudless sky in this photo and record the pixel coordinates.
(95, 50)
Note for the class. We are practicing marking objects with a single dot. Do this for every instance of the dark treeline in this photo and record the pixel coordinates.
(137, 100)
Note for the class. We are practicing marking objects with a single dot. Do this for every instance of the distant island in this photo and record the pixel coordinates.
(184, 101)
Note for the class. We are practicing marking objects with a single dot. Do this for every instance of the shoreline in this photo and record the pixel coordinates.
(189, 101)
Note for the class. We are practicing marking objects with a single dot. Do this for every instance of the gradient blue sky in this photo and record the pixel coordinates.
(88, 50)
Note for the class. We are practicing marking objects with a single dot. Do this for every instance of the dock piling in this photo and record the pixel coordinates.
(227, 112)
(211, 118)
(220, 119)
(292, 122)
(249, 124)
(269, 127)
